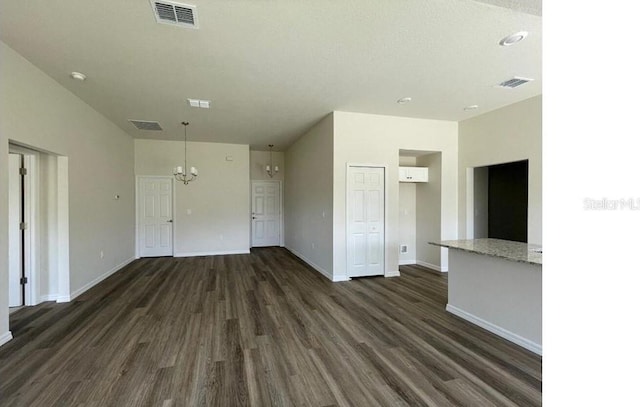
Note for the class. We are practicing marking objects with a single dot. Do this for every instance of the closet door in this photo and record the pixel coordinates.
(365, 220)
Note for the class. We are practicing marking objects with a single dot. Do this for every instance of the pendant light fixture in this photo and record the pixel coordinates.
(181, 172)
(271, 169)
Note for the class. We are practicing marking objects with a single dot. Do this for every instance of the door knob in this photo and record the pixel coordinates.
(170, 221)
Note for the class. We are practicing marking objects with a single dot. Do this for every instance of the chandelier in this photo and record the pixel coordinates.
(271, 169)
(181, 172)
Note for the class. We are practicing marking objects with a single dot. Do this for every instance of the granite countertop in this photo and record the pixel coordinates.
(514, 251)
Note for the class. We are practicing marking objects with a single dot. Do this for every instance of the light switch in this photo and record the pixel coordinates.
(188, 211)
(229, 158)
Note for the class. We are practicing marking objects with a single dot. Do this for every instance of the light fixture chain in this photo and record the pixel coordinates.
(181, 174)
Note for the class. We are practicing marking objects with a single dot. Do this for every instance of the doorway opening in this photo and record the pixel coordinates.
(498, 197)
(38, 226)
(420, 204)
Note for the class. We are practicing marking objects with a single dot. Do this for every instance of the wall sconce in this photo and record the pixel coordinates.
(270, 168)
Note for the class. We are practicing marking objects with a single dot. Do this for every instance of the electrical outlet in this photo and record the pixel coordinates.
(404, 248)
(313, 245)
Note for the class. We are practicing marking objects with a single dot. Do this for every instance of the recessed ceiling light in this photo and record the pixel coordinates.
(513, 38)
(404, 100)
(471, 107)
(78, 76)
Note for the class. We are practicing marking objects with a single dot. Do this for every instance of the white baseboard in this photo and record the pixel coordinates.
(337, 279)
(48, 297)
(5, 337)
(76, 293)
(508, 335)
(395, 273)
(315, 266)
(432, 266)
(406, 262)
(219, 253)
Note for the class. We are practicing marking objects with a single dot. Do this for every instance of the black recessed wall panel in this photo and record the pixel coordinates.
(508, 201)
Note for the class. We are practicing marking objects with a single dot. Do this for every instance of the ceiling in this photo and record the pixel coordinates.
(273, 68)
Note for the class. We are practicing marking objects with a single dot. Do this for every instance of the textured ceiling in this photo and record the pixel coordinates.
(272, 68)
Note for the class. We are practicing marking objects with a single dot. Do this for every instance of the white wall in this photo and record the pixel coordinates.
(37, 111)
(4, 226)
(511, 133)
(407, 222)
(429, 214)
(308, 197)
(480, 203)
(259, 159)
(219, 199)
(375, 139)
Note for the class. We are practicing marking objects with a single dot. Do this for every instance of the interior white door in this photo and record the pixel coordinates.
(155, 216)
(15, 233)
(265, 213)
(365, 221)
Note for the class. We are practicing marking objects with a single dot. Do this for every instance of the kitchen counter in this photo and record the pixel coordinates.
(497, 285)
(514, 251)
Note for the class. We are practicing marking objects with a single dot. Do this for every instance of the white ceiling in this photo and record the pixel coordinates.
(273, 68)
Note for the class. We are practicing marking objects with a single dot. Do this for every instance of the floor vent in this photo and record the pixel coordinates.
(514, 82)
(170, 12)
(146, 125)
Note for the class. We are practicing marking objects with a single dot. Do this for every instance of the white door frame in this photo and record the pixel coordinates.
(31, 208)
(386, 213)
(57, 262)
(280, 186)
(173, 211)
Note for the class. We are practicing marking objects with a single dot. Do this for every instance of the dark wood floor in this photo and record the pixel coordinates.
(259, 329)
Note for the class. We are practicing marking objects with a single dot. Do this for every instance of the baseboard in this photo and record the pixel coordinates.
(395, 273)
(406, 262)
(5, 337)
(220, 253)
(508, 335)
(337, 279)
(48, 297)
(432, 266)
(93, 282)
(314, 266)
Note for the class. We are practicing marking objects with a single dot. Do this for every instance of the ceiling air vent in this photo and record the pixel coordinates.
(170, 12)
(514, 82)
(146, 125)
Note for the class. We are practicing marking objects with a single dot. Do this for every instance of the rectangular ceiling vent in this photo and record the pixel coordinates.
(146, 125)
(514, 82)
(170, 12)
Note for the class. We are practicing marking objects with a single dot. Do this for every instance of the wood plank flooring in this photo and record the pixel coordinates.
(259, 329)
